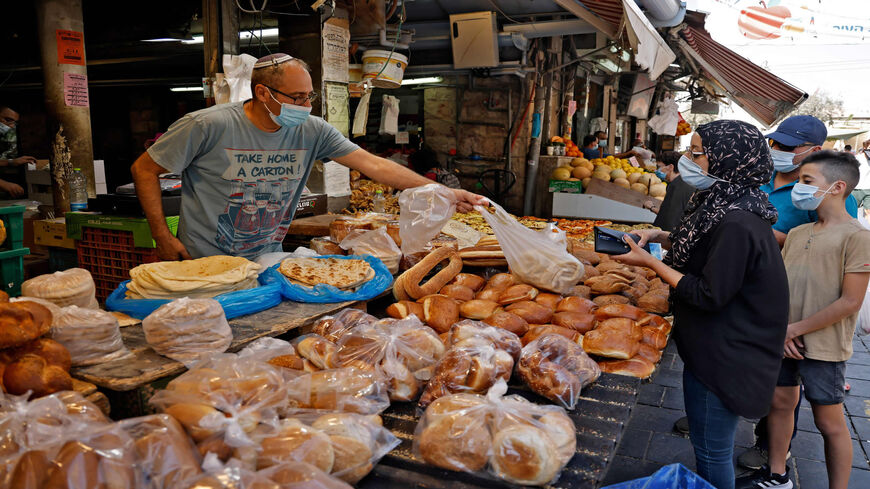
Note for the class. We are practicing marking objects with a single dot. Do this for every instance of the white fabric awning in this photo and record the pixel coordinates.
(653, 53)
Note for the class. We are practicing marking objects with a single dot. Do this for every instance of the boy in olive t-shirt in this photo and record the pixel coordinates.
(828, 265)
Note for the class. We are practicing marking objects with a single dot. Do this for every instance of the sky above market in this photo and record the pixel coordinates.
(813, 44)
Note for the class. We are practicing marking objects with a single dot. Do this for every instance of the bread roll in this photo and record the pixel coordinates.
(453, 442)
(497, 337)
(164, 452)
(531, 311)
(296, 441)
(655, 338)
(517, 293)
(353, 458)
(562, 431)
(655, 302)
(478, 309)
(488, 294)
(634, 367)
(619, 311)
(30, 470)
(194, 417)
(473, 282)
(51, 351)
(610, 343)
(333, 328)
(458, 292)
(622, 326)
(649, 353)
(326, 246)
(537, 331)
(524, 455)
(403, 309)
(508, 321)
(603, 300)
(22, 322)
(440, 313)
(550, 300)
(501, 281)
(74, 462)
(33, 373)
(317, 350)
(577, 321)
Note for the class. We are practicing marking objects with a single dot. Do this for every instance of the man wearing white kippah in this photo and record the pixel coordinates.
(244, 166)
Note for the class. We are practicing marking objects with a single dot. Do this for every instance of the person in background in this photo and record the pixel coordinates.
(828, 266)
(425, 162)
(9, 149)
(644, 154)
(594, 145)
(729, 289)
(862, 191)
(672, 208)
(848, 149)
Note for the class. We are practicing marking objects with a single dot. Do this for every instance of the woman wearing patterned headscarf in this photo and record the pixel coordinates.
(729, 289)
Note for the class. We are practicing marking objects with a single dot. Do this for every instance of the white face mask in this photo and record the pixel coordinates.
(4, 129)
(783, 161)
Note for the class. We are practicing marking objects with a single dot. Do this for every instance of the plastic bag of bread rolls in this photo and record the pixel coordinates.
(402, 352)
(73, 287)
(345, 445)
(278, 353)
(91, 335)
(236, 475)
(516, 440)
(376, 243)
(557, 368)
(222, 400)
(533, 257)
(423, 212)
(165, 454)
(185, 329)
(472, 369)
(470, 333)
(334, 327)
(345, 389)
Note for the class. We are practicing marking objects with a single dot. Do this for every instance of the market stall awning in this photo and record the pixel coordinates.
(765, 96)
(845, 132)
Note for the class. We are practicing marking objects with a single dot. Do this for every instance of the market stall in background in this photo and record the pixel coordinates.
(391, 322)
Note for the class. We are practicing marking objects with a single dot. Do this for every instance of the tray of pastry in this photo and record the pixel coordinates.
(600, 417)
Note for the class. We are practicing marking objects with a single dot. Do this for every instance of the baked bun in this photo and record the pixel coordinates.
(577, 321)
(548, 299)
(562, 431)
(317, 350)
(603, 300)
(458, 292)
(165, 453)
(524, 455)
(508, 321)
(517, 293)
(634, 367)
(473, 282)
(536, 331)
(655, 338)
(478, 309)
(440, 313)
(22, 322)
(576, 304)
(557, 368)
(531, 311)
(456, 442)
(51, 351)
(296, 441)
(334, 327)
(501, 281)
(619, 311)
(488, 294)
(463, 331)
(649, 353)
(403, 309)
(34, 373)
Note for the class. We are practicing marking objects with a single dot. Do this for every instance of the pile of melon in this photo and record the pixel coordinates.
(584, 170)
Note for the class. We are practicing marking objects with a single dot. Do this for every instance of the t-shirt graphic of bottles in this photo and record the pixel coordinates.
(257, 214)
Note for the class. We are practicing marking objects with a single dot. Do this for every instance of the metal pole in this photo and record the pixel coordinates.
(61, 42)
(534, 153)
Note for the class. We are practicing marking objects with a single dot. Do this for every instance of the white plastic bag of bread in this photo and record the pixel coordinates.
(557, 368)
(533, 257)
(376, 243)
(201, 278)
(423, 213)
(316, 349)
(222, 400)
(278, 353)
(236, 475)
(91, 335)
(346, 389)
(469, 369)
(334, 327)
(516, 440)
(345, 445)
(165, 455)
(403, 352)
(468, 333)
(73, 287)
(185, 329)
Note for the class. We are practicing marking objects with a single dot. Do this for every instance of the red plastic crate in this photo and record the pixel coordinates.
(110, 255)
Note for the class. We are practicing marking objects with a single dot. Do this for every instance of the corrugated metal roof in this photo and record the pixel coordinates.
(609, 10)
(764, 95)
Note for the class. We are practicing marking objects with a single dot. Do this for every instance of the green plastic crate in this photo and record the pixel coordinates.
(136, 225)
(566, 186)
(13, 220)
(12, 270)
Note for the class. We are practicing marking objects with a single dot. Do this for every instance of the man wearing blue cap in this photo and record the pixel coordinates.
(244, 166)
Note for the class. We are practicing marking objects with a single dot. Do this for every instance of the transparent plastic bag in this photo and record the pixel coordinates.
(376, 243)
(347, 389)
(673, 476)
(265, 349)
(471, 369)
(164, 453)
(533, 258)
(186, 329)
(91, 335)
(220, 401)
(468, 333)
(345, 445)
(557, 368)
(324, 293)
(316, 349)
(236, 475)
(423, 212)
(518, 441)
(334, 327)
(403, 352)
(665, 122)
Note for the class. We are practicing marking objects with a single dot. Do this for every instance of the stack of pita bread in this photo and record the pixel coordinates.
(73, 287)
(201, 278)
(342, 274)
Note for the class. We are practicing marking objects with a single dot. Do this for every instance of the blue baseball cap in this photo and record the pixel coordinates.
(800, 129)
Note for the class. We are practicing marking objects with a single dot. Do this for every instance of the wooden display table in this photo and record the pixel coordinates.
(314, 226)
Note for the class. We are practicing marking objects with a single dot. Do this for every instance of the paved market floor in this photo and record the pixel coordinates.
(650, 442)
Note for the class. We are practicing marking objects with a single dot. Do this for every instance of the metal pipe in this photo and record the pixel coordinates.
(533, 155)
(661, 9)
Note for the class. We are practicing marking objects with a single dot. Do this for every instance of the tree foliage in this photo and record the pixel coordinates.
(823, 106)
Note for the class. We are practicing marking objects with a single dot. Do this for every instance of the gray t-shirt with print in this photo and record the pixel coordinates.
(240, 184)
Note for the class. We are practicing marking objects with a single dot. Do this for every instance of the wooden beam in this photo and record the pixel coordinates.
(578, 9)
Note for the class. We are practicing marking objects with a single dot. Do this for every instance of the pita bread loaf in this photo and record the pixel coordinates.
(343, 274)
(73, 287)
(201, 278)
(92, 336)
(186, 328)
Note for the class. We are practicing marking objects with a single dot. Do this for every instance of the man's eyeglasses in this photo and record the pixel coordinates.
(8, 121)
(310, 97)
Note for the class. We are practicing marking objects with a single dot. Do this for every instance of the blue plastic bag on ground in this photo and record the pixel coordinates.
(235, 304)
(323, 293)
(674, 476)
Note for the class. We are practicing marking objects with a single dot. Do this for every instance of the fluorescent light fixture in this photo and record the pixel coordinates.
(186, 89)
(263, 33)
(420, 81)
(162, 39)
(198, 39)
(195, 40)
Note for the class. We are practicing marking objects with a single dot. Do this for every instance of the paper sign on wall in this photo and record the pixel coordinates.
(338, 107)
(402, 137)
(75, 90)
(336, 38)
(70, 47)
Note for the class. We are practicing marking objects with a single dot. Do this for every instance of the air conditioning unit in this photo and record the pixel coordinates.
(594, 42)
(474, 37)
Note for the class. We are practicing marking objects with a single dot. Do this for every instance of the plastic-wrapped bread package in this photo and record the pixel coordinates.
(337, 390)
(557, 368)
(401, 351)
(92, 336)
(472, 369)
(518, 441)
(235, 475)
(221, 401)
(278, 353)
(51, 306)
(345, 445)
(319, 351)
(164, 453)
(376, 243)
(334, 327)
(186, 329)
(469, 333)
(73, 287)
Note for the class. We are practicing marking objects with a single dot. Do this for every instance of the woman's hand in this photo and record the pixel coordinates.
(651, 236)
(637, 256)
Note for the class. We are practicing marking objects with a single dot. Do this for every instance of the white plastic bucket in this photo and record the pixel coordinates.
(373, 62)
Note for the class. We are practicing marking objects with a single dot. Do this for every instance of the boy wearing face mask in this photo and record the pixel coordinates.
(828, 266)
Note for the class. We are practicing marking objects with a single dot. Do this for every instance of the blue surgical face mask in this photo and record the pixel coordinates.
(4, 129)
(803, 196)
(694, 175)
(661, 175)
(602, 143)
(291, 115)
(783, 161)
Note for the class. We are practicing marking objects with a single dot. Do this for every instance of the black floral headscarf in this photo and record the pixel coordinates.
(738, 154)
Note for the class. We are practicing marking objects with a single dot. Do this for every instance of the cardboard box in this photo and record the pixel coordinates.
(311, 205)
(566, 186)
(52, 232)
(39, 186)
